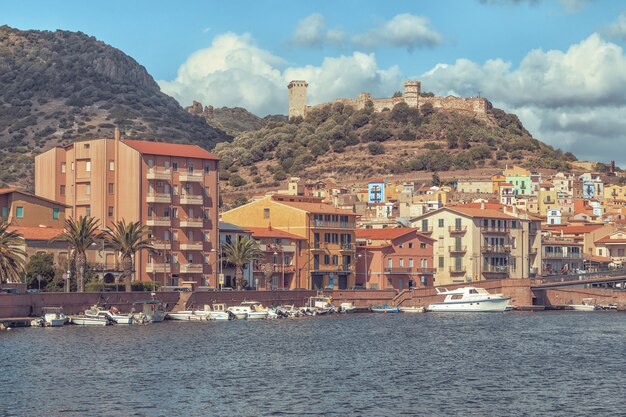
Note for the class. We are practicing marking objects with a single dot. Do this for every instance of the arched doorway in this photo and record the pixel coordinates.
(109, 278)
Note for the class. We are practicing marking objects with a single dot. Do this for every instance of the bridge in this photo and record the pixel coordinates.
(607, 278)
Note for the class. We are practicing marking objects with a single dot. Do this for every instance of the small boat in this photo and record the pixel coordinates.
(53, 316)
(384, 308)
(321, 304)
(113, 314)
(239, 312)
(150, 311)
(469, 299)
(588, 304)
(346, 308)
(90, 321)
(412, 309)
(218, 312)
(288, 311)
(187, 315)
(256, 310)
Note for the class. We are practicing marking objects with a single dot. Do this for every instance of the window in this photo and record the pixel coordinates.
(174, 213)
(175, 166)
(175, 189)
(441, 262)
(266, 213)
(423, 245)
(19, 212)
(440, 223)
(207, 214)
(62, 189)
(335, 260)
(72, 166)
(175, 235)
(326, 259)
(190, 168)
(401, 245)
(166, 236)
(410, 245)
(410, 262)
(87, 189)
(207, 236)
(111, 165)
(88, 211)
(150, 164)
(424, 225)
(167, 166)
(206, 168)
(150, 211)
(389, 263)
(190, 236)
(110, 212)
(5, 212)
(110, 188)
(88, 166)
(55, 213)
(86, 146)
(63, 167)
(401, 262)
(166, 212)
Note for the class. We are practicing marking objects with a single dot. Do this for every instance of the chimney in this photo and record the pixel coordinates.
(116, 134)
(482, 205)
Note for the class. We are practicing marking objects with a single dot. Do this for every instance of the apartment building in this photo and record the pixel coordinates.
(327, 259)
(19, 208)
(397, 258)
(561, 256)
(473, 244)
(171, 188)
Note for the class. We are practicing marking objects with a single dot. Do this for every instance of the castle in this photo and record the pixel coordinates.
(412, 97)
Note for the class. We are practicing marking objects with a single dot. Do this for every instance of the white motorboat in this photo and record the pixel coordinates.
(151, 311)
(469, 299)
(218, 312)
(53, 316)
(347, 308)
(239, 311)
(90, 321)
(255, 310)
(588, 304)
(113, 314)
(411, 309)
(321, 304)
(187, 315)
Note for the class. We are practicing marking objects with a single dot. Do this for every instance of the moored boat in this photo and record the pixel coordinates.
(53, 316)
(187, 315)
(384, 308)
(469, 299)
(346, 308)
(150, 311)
(90, 321)
(588, 304)
(255, 310)
(321, 304)
(218, 312)
(113, 314)
(411, 309)
(239, 312)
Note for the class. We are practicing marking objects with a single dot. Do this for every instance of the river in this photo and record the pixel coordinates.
(512, 364)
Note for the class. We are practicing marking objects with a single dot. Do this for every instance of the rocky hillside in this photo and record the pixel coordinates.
(59, 86)
(341, 142)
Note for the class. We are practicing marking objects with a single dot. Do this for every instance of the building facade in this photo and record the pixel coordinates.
(18, 208)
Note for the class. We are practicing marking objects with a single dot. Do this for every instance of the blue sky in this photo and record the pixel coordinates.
(558, 64)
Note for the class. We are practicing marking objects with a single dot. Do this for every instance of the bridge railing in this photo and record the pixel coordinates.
(580, 276)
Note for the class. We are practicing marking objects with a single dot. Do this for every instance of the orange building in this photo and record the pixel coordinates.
(394, 258)
(171, 188)
(18, 208)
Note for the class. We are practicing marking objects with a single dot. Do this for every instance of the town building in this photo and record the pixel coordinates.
(19, 208)
(171, 188)
(229, 234)
(561, 256)
(519, 178)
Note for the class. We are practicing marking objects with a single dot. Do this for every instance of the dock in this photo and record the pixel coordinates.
(16, 322)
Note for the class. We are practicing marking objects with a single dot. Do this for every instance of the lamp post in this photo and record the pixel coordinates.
(282, 250)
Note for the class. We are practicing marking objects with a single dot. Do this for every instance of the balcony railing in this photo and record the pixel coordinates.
(276, 268)
(158, 244)
(191, 268)
(191, 199)
(495, 269)
(332, 225)
(158, 198)
(331, 268)
(192, 222)
(192, 246)
(158, 175)
(191, 177)
(158, 221)
(278, 248)
(347, 246)
(457, 270)
(426, 270)
(457, 229)
(559, 255)
(457, 249)
(154, 267)
(496, 249)
(426, 231)
(494, 229)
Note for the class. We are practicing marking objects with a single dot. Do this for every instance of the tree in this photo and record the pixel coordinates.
(40, 265)
(79, 235)
(11, 256)
(126, 240)
(436, 181)
(239, 253)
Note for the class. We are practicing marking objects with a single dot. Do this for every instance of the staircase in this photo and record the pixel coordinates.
(401, 297)
(181, 305)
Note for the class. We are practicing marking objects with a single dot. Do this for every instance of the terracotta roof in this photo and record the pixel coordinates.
(13, 190)
(574, 229)
(319, 208)
(607, 239)
(481, 213)
(385, 233)
(488, 205)
(261, 232)
(170, 149)
(7, 190)
(37, 233)
(596, 258)
(546, 184)
(561, 242)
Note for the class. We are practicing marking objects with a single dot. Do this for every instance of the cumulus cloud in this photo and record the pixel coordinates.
(312, 31)
(234, 71)
(570, 6)
(403, 31)
(572, 99)
(617, 29)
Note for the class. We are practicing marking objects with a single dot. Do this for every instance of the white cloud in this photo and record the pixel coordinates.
(313, 32)
(570, 6)
(617, 29)
(403, 31)
(572, 99)
(233, 71)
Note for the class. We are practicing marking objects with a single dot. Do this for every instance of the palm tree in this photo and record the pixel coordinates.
(11, 256)
(127, 239)
(79, 235)
(243, 251)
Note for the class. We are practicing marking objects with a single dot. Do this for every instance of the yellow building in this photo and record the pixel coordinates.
(614, 192)
(546, 198)
(327, 257)
(475, 186)
(474, 244)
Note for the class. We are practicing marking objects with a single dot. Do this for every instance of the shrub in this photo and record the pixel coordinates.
(236, 181)
(376, 148)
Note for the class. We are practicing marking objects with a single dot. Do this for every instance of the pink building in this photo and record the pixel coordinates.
(397, 258)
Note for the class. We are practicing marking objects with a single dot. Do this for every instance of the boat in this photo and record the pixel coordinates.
(321, 304)
(53, 316)
(113, 314)
(187, 315)
(255, 310)
(288, 310)
(150, 311)
(83, 320)
(239, 312)
(347, 308)
(588, 304)
(469, 299)
(384, 308)
(412, 309)
(218, 312)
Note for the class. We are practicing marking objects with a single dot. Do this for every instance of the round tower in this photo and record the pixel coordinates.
(297, 98)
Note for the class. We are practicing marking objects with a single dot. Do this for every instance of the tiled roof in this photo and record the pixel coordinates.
(607, 239)
(481, 213)
(261, 232)
(13, 190)
(385, 233)
(7, 190)
(319, 208)
(596, 258)
(574, 229)
(488, 205)
(37, 233)
(170, 149)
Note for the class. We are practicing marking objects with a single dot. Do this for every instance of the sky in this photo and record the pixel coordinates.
(558, 64)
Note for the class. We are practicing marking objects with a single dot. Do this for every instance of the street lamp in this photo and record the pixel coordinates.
(282, 250)
(366, 271)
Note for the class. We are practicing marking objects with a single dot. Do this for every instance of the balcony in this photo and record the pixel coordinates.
(191, 199)
(159, 221)
(496, 249)
(324, 224)
(159, 244)
(426, 231)
(192, 246)
(561, 255)
(457, 229)
(457, 249)
(154, 267)
(191, 177)
(158, 198)
(457, 270)
(318, 246)
(398, 270)
(496, 269)
(278, 248)
(192, 222)
(494, 229)
(191, 268)
(276, 268)
(158, 175)
(331, 268)
(346, 247)
(426, 270)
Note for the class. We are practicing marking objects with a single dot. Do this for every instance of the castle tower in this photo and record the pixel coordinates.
(297, 98)
(412, 92)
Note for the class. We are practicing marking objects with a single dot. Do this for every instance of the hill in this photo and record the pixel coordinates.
(59, 86)
(341, 142)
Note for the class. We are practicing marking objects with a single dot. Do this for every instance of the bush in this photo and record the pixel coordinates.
(376, 134)
(236, 181)
(376, 148)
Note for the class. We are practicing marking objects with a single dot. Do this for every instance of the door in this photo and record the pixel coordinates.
(343, 282)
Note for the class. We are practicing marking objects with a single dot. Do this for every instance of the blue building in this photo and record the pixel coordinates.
(376, 191)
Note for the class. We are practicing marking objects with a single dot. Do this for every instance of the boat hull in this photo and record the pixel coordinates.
(385, 310)
(493, 305)
(90, 321)
(55, 322)
(257, 315)
(583, 307)
(185, 316)
(412, 309)
(219, 315)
